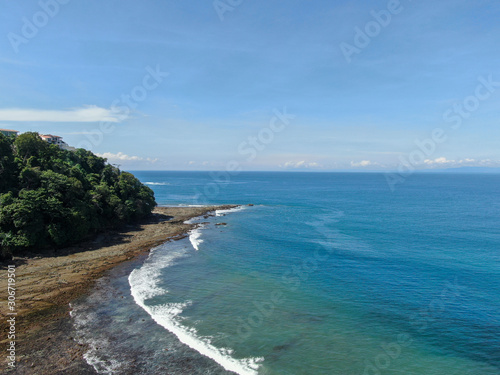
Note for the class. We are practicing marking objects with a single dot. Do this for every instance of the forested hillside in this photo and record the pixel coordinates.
(51, 197)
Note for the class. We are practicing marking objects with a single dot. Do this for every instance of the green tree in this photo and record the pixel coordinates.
(29, 145)
(51, 197)
(8, 167)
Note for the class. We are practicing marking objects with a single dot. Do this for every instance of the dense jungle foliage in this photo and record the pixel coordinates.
(51, 197)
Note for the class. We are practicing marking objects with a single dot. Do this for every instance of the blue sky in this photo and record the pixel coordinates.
(95, 73)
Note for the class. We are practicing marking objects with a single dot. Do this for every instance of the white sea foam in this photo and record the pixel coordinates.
(223, 212)
(193, 220)
(147, 285)
(157, 183)
(194, 238)
(167, 315)
(93, 358)
(98, 347)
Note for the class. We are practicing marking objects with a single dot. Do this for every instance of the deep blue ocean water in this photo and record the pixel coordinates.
(324, 274)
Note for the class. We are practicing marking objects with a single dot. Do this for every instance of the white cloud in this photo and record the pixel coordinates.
(120, 156)
(205, 165)
(299, 164)
(90, 113)
(467, 162)
(440, 161)
(77, 133)
(364, 163)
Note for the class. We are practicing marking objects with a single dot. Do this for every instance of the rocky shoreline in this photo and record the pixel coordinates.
(46, 285)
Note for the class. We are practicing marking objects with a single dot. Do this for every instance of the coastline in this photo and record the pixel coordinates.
(46, 286)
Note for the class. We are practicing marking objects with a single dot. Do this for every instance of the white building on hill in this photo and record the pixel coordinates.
(9, 132)
(56, 140)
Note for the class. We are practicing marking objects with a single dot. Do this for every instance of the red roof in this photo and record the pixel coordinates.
(49, 136)
(9, 130)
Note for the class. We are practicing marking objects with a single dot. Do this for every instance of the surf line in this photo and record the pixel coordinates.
(166, 315)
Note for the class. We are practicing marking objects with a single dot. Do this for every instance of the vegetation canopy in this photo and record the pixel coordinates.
(51, 197)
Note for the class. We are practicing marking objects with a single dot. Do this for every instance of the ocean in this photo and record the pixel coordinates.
(326, 273)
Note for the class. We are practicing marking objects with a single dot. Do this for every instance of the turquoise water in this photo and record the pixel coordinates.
(326, 274)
